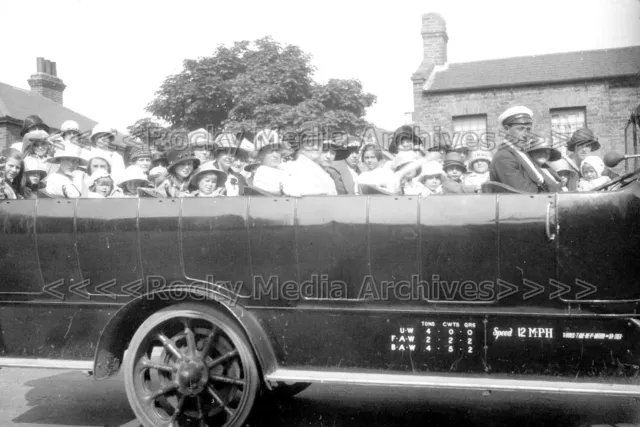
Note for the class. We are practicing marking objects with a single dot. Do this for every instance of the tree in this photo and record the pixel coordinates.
(254, 85)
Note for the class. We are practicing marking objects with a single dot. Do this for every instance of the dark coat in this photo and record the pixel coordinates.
(343, 168)
(552, 186)
(506, 168)
(338, 180)
(450, 186)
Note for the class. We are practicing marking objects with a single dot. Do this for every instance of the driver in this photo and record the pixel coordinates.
(510, 164)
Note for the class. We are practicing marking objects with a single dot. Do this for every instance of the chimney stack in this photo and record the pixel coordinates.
(434, 38)
(46, 81)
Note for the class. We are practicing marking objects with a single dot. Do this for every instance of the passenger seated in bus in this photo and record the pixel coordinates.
(61, 183)
(11, 174)
(134, 178)
(541, 151)
(182, 163)
(592, 169)
(102, 138)
(431, 178)
(102, 186)
(32, 178)
(394, 179)
(208, 181)
(95, 164)
(454, 169)
(141, 157)
(307, 175)
(479, 161)
(371, 157)
(37, 146)
(228, 150)
(269, 174)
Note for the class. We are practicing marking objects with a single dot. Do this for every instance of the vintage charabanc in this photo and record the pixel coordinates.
(206, 303)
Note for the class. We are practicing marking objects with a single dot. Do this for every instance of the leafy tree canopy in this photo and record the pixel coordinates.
(254, 85)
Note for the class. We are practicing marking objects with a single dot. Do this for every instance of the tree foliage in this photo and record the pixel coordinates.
(253, 85)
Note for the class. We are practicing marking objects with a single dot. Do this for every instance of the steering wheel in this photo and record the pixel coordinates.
(619, 180)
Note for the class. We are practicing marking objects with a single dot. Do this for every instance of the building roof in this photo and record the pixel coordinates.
(17, 104)
(539, 69)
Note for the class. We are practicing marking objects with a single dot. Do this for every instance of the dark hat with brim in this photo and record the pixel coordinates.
(454, 159)
(341, 151)
(252, 167)
(31, 122)
(207, 167)
(401, 133)
(544, 144)
(175, 157)
(581, 137)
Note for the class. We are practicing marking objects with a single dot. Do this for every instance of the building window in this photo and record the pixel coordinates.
(565, 121)
(469, 131)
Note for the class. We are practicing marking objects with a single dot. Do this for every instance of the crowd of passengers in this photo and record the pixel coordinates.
(58, 166)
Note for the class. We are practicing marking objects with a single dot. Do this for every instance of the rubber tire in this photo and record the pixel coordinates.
(226, 324)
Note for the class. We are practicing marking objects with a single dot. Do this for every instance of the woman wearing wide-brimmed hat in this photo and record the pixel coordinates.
(182, 163)
(582, 143)
(65, 182)
(207, 181)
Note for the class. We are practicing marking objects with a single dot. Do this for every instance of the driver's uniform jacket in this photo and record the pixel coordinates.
(508, 169)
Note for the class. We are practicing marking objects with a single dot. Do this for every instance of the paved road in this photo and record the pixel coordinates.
(47, 398)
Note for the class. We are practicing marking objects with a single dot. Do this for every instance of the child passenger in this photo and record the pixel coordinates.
(479, 161)
(431, 178)
(11, 173)
(36, 146)
(208, 181)
(102, 186)
(134, 178)
(454, 169)
(32, 178)
(592, 168)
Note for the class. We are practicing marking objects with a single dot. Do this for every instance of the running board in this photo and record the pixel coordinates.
(485, 383)
(14, 362)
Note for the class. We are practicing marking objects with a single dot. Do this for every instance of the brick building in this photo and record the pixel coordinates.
(566, 91)
(44, 99)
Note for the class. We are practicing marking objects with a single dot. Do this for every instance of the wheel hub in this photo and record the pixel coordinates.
(192, 377)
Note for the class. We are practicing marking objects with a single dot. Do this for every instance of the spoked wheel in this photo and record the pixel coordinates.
(190, 365)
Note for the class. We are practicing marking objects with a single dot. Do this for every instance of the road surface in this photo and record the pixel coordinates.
(49, 398)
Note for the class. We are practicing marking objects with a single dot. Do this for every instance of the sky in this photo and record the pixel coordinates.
(114, 55)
